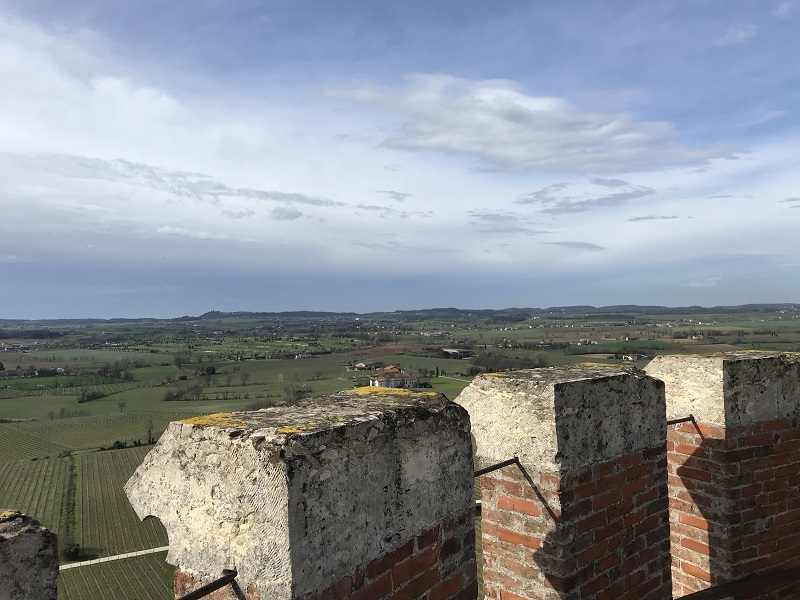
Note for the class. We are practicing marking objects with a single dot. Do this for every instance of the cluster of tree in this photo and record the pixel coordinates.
(89, 395)
(34, 334)
(435, 372)
(181, 359)
(122, 444)
(293, 389)
(117, 370)
(189, 392)
(47, 372)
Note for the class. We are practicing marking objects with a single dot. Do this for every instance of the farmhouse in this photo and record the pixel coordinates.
(393, 377)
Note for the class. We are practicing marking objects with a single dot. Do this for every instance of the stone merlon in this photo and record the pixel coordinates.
(28, 558)
(564, 418)
(730, 389)
(297, 497)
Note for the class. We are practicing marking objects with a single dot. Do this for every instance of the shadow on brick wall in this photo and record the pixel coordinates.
(601, 533)
(734, 510)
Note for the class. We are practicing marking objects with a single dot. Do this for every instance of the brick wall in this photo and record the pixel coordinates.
(734, 501)
(604, 536)
(438, 564)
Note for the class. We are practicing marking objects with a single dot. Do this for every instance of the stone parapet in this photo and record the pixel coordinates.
(361, 494)
(28, 559)
(734, 471)
(586, 515)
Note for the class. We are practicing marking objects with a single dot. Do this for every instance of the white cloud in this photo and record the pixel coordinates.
(180, 183)
(505, 127)
(552, 200)
(584, 246)
(95, 154)
(170, 230)
(395, 195)
(653, 218)
(285, 213)
(737, 35)
(764, 117)
(785, 9)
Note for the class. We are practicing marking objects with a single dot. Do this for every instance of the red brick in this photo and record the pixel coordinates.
(375, 590)
(414, 565)
(694, 571)
(384, 563)
(447, 588)
(518, 505)
(696, 546)
(417, 586)
(693, 521)
(428, 537)
(513, 537)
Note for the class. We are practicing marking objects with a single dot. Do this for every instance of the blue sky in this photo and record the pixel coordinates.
(167, 158)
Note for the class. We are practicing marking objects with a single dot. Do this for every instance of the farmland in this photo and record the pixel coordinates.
(81, 406)
(80, 498)
(141, 578)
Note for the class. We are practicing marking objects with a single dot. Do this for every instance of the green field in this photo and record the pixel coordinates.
(38, 488)
(81, 499)
(65, 462)
(140, 578)
(108, 524)
(18, 444)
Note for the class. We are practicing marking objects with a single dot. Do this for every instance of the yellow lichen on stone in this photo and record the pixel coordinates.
(215, 420)
(385, 391)
(5, 515)
(293, 429)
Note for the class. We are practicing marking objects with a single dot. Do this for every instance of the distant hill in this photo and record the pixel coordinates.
(442, 313)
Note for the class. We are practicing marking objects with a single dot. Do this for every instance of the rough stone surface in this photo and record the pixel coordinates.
(564, 418)
(730, 389)
(295, 498)
(592, 521)
(28, 559)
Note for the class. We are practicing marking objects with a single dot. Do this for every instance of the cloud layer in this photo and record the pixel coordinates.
(499, 123)
(217, 159)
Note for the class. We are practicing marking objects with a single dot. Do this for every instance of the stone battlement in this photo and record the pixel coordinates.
(28, 558)
(563, 418)
(299, 498)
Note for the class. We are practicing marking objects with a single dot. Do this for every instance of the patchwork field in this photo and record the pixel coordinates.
(80, 408)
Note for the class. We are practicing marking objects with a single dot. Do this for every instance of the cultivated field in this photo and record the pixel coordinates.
(81, 406)
(140, 578)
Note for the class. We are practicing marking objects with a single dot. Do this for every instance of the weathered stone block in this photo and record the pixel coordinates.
(28, 559)
(298, 499)
(730, 389)
(566, 418)
(588, 516)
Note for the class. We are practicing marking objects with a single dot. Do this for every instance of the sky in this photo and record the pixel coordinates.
(163, 158)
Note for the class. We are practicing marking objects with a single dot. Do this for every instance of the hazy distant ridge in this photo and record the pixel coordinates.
(444, 313)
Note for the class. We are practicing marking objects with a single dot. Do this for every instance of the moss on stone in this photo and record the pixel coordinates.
(215, 420)
(7, 515)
